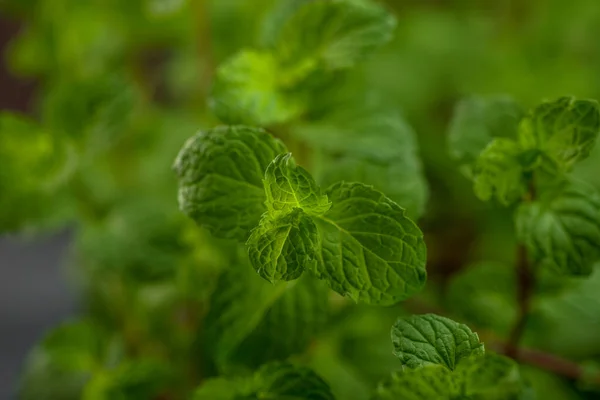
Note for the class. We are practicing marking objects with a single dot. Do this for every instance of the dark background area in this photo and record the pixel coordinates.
(33, 293)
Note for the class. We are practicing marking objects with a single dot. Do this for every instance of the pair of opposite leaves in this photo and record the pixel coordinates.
(240, 183)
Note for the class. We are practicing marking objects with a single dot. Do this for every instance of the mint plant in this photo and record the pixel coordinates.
(293, 250)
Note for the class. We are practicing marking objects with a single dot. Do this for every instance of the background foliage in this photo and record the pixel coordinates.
(123, 84)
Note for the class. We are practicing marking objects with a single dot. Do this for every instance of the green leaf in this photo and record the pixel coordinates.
(566, 130)
(491, 377)
(280, 248)
(482, 377)
(334, 34)
(491, 302)
(562, 229)
(369, 143)
(36, 165)
(272, 381)
(498, 172)
(220, 175)
(250, 88)
(433, 382)
(246, 309)
(429, 339)
(288, 186)
(477, 120)
(288, 381)
(370, 251)
(133, 379)
(289, 326)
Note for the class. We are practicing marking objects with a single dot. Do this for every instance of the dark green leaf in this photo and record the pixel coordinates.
(562, 228)
(220, 175)
(370, 251)
(429, 339)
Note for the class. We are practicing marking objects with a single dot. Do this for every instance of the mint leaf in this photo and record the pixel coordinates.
(562, 229)
(220, 175)
(231, 323)
(289, 326)
(566, 130)
(288, 381)
(288, 186)
(282, 246)
(250, 89)
(370, 251)
(498, 172)
(334, 34)
(429, 339)
(369, 143)
(433, 382)
(477, 120)
(491, 377)
(36, 164)
(272, 381)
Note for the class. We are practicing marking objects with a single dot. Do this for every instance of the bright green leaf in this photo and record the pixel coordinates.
(220, 175)
(477, 120)
(562, 228)
(498, 172)
(334, 34)
(566, 129)
(429, 339)
(250, 88)
(289, 186)
(281, 247)
(370, 251)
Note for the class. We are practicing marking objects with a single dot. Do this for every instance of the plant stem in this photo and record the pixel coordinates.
(525, 288)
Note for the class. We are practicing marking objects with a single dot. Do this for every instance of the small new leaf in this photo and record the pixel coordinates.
(498, 172)
(370, 250)
(250, 89)
(220, 175)
(281, 247)
(566, 130)
(288, 186)
(429, 339)
(334, 34)
(562, 229)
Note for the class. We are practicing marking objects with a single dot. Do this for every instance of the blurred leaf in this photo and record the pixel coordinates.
(36, 164)
(334, 34)
(477, 120)
(139, 379)
(217, 163)
(370, 250)
(231, 323)
(491, 302)
(369, 143)
(432, 382)
(566, 130)
(498, 172)
(251, 87)
(562, 229)
(276, 381)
